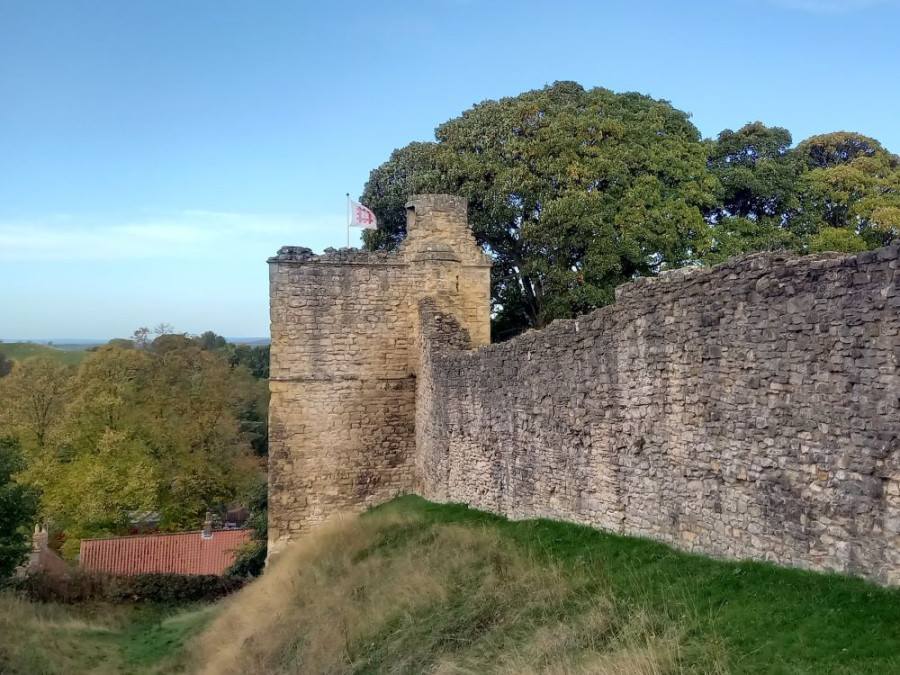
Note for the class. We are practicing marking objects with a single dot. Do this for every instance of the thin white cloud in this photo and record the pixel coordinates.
(171, 235)
(831, 6)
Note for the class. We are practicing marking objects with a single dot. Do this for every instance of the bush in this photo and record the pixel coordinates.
(173, 588)
(250, 561)
(251, 558)
(76, 588)
(82, 587)
(18, 506)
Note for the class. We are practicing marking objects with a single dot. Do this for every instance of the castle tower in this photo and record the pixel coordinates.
(446, 264)
(344, 361)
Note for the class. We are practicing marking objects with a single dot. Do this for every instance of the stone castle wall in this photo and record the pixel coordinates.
(344, 359)
(751, 410)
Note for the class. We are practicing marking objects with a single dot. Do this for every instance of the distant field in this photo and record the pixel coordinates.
(73, 352)
(70, 355)
(252, 341)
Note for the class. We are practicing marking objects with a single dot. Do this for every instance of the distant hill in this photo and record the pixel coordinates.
(69, 354)
(73, 351)
(66, 343)
(252, 341)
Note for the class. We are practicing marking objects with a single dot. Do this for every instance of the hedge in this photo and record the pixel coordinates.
(83, 587)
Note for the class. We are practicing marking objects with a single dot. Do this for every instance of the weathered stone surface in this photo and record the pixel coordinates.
(750, 410)
(344, 359)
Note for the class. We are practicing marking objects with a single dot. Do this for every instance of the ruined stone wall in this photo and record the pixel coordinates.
(344, 360)
(751, 410)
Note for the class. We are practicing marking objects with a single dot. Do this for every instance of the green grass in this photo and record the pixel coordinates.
(19, 351)
(414, 587)
(768, 619)
(151, 642)
(48, 639)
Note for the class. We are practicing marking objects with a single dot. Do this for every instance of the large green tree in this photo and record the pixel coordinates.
(138, 431)
(757, 175)
(572, 191)
(849, 196)
(756, 171)
(409, 170)
(18, 509)
(833, 192)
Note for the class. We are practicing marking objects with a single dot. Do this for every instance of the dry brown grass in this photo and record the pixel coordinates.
(100, 639)
(309, 603)
(392, 594)
(414, 588)
(36, 639)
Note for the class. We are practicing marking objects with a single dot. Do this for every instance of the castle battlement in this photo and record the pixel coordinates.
(345, 357)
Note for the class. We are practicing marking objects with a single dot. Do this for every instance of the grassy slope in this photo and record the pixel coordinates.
(101, 639)
(415, 587)
(18, 351)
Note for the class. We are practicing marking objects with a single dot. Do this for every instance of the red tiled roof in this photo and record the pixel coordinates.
(180, 553)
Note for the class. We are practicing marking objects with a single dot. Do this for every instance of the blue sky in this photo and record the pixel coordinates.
(154, 153)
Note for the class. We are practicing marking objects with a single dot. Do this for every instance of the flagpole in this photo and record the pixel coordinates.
(348, 220)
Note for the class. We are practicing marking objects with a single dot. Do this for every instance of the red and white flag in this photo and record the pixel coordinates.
(360, 216)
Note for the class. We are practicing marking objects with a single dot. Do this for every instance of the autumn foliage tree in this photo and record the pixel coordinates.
(18, 510)
(849, 195)
(33, 398)
(133, 433)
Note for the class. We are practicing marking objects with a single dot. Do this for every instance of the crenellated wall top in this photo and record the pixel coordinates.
(437, 231)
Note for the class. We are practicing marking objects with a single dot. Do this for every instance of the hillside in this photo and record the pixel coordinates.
(101, 639)
(19, 351)
(414, 587)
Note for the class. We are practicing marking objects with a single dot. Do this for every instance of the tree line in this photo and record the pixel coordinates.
(575, 191)
(143, 431)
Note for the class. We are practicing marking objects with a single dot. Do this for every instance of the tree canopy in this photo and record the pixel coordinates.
(849, 193)
(572, 191)
(169, 431)
(409, 170)
(575, 191)
(18, 510)
(756, 176)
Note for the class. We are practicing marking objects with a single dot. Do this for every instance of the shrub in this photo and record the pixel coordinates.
(82, 587)
(250, 561)
(173, 588)
(251, 558)
(18, 506)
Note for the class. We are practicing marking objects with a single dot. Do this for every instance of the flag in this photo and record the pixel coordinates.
(360, 216)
